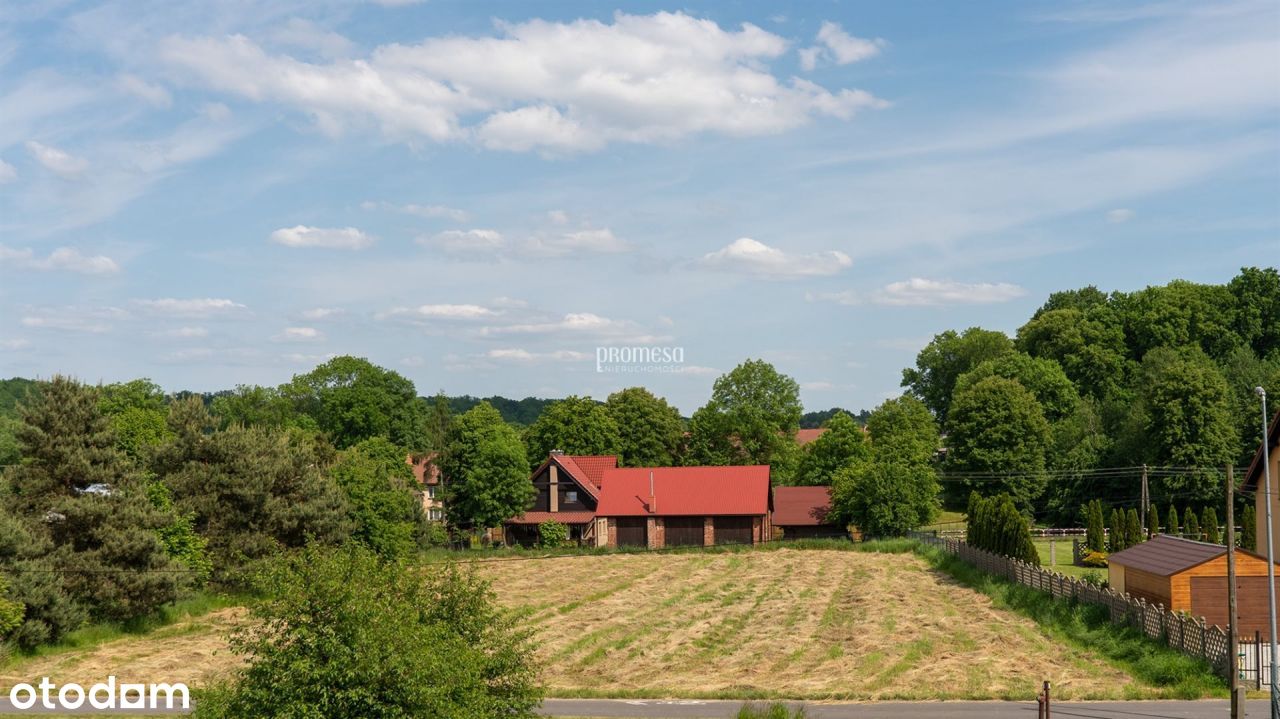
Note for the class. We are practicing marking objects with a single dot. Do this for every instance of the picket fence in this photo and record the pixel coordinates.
(1187, 634)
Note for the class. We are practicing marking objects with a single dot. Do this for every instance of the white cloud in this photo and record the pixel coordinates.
(299, 334)
(577, 325)
(308, 359)
(919, 291)
(15, 344)
(336, 238)
(184, 333)
(522, 355)
(593, 241)
(66, 259)
(306, 35)
(1119, 215)
(466, 242)
(197, 307)
(8, 173)
(809, 57)
(558, 217)
(749, 256)
(539, 85)
(427, 211)
(187, 355)
(322, 313)
(57, 161)
(154, 95)
(836, 45)
(441, 312)
(93, 320)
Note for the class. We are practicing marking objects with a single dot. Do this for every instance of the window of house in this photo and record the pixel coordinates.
(431, 491)
(571, 495)
(435, 514)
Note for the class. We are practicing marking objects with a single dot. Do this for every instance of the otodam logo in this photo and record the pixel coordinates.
(72, 697)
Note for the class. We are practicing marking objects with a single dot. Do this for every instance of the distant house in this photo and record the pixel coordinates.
(805, 436)
(430, 489)
(1189, 576)
(659, 507)
(568, 492)
(1253, 481)
(802, 512)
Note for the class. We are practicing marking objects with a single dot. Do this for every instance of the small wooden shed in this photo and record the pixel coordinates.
(1188, 576)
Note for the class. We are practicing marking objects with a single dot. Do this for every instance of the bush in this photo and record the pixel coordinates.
(343, 633)
(552, 534)
(1094, 559)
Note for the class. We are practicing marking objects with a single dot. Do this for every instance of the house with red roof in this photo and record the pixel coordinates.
(606, 506)
(430, 491)
(804, 512)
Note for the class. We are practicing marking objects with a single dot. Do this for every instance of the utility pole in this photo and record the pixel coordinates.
(1271, 560)
(1145, 502)
(1233, 640)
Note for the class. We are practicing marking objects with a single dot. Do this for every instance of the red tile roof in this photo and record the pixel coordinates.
(685, 491)
(801, 506)
(588, 467)
(425, 469)
(561, 517)
(805, 436)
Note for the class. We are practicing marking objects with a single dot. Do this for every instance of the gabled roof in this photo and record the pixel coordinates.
(801, 506)
(590, 467)
(685, 491)
(1165, 555)
(805, 436)
(1253, 477)
(425, 469)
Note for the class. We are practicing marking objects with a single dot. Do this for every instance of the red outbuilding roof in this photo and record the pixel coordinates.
(699, 491)
(805, 436)
(801, 506)
(561, 517)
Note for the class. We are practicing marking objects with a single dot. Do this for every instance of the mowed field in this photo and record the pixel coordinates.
(805, 624)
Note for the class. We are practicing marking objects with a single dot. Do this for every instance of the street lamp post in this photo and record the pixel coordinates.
(1271, 567)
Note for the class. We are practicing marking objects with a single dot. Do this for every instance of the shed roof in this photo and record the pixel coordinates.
(1253, 477)
(686, 491)
(801, 506)
(1165, 555)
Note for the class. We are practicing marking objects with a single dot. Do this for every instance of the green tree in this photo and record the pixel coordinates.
(1095, 532)
(49, 612)
(344, 634)
(1118, 534)
(650, 431)
(884, 498)
(1192, 528)
(997, 428)
(82, 494)
(1209, 525)
(254, 406)
(843, 444)
(1000, 528)
(1174, 528)
(1043, 377)
(379, 484)
(179, 537)
(940, 364)
(137, 412)
(752, 418)
(573, 425)
(351, 400)
(1133, 529)
(1257, 308)
(486, 471)
(1243, 372)
(902, 429)
(1249, 530)
(1153, 521)
(439, 419)
(1180, 314)
(1089, 345)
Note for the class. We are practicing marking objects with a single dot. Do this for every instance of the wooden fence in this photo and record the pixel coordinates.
(1187, 634)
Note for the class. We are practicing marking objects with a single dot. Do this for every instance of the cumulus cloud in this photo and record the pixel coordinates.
(335, 238)
(921, 292)
(540, 85)
(8, 173)
(299, 334)
(839, 47)
(57, 161)
(322, 313)
(752, 257)
(440, 312)
(592, 241)
(466, 242)
(67, 259)
(1119, 215)
(196, 307)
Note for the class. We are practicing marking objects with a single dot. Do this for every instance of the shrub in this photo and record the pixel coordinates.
(1095, 578)
(997, 526)
(1094, 559)
(344, 633)
(1209, 524)
(552, 534)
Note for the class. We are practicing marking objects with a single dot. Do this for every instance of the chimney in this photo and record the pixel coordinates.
(653, 501)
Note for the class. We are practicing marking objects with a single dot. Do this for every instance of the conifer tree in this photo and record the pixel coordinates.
(1209, 525)
(1173, 528)
(1095, 532)
(1192, 529)
(1118, 533)
(1249, 530)
(1133, 529)
(1153, 521)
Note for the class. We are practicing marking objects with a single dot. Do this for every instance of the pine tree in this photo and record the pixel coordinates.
(1249, 530)
(1209, 523)
(1193, 525)
(1096, 533)
(1118, 533)
(1153, 521)
(1174, 528)
(1133, 529)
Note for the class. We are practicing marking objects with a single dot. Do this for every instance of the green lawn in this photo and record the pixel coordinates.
(946, 520)
(1063, 552)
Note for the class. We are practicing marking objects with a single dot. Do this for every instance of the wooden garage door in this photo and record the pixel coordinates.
(632, 532)
(1209, 600)
(683, 531)
(733, 530)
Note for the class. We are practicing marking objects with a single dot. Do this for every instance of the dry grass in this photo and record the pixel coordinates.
(803, 624)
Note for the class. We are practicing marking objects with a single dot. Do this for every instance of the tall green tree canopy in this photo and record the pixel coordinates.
(752, 418)
(486, 471)
(1089, 345)
(379, 485)
(902, 429)
(997, 426)
(137, 411)
(573, 425)
(650, 431)
(352, 399)
(940, 364)
(1044, 377)
(844, 443)
(1257, 316)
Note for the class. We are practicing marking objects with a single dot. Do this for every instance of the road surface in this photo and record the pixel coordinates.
(694, 709)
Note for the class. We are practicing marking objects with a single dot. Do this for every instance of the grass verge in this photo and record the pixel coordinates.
(1089, 627)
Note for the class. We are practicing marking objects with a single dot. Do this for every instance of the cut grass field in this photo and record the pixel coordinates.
(747, 624)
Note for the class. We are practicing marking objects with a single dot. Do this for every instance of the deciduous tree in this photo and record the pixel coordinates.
(650, 431)
(944, 359)
(573, 425)
(486, 471)
(998, 428)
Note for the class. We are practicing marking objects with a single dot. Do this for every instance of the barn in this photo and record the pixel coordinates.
(1190, 576)
(802, 512)
(658, 507)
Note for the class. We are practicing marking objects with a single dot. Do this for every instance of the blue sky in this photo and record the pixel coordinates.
(479, 195)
